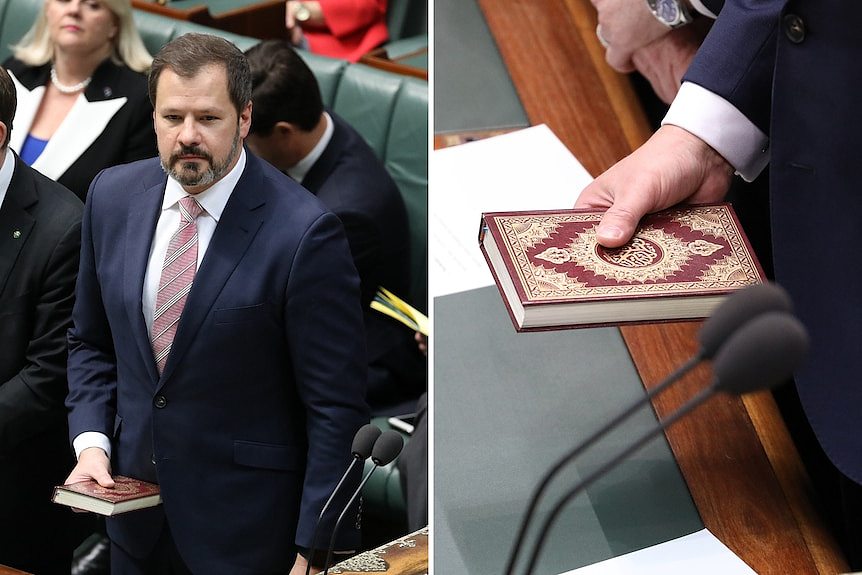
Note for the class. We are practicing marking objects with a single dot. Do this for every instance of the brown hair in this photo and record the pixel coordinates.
(8, 103)
(186, 55)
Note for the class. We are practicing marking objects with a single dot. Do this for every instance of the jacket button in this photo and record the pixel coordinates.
(794, 28)
(160, 401)
(153, 459)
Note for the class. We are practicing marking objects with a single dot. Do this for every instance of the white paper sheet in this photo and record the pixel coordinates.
(701, 553)
(529, 169)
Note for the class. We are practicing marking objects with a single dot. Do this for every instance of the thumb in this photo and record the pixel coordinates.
(103, 478)
(618, 225)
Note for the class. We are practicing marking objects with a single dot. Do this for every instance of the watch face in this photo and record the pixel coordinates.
(668, 11)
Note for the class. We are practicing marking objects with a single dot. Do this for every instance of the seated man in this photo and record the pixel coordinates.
(291, 130)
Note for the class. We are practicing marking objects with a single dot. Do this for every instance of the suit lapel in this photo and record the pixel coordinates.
(239, 223)
(16, 222)
(144, 209)
(82, 125)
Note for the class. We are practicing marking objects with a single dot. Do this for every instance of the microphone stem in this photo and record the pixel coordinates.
(322, 511)
(580, 448)
(340, 517)
(692, 403)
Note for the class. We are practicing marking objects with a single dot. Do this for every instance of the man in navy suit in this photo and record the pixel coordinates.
(216, 347)
(40, 231)
(317, 148)
(777, 82)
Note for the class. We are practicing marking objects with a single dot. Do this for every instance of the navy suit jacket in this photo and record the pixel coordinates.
(804, 93)
(40, 231)
(350, 180)
(250, 425)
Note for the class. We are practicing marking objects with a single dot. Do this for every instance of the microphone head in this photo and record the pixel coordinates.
(363, 441)
(387, 447)
(762, 353)
(736, 310)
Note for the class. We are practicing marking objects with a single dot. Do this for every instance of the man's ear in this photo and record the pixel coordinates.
(284, 129)
(3, 132)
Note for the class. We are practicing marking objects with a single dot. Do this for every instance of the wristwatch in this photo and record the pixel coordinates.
(671, 13)
(302, 14)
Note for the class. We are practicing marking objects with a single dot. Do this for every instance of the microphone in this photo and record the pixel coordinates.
(386, 449)
(363, 443)
(761, 354)
(729, 315)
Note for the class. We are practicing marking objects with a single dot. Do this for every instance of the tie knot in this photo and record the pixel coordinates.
(190, 209)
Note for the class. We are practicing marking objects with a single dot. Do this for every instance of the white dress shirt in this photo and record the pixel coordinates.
(6, 174)
(300, 170)
(721, 125)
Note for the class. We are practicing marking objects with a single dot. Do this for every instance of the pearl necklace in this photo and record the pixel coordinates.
(68, 89)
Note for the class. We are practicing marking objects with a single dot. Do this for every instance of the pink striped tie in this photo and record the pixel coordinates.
(178, 273)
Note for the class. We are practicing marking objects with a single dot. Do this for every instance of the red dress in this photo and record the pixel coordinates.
(353, 28)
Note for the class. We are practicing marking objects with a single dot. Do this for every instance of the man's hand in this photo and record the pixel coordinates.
(93, 463)
(664, 61)
(671, 167)
(626, 25)
(299, 566)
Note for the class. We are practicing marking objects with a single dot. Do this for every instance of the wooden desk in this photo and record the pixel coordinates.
(736, 456)
(255, 18)
(407, 555)
(401, 64)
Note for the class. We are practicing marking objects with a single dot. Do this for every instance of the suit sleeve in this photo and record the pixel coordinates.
(737, 58)
(92, 362)
(32, 400)
(326, 340)
(346, 17)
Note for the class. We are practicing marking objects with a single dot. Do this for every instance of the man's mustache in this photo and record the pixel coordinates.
(190, 151)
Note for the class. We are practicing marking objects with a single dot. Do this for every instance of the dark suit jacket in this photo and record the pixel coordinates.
(350, 180)
(250, 426)
(40, 229)
(113, 125)
(805, 95)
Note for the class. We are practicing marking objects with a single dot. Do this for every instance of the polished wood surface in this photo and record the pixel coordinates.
(263, 19)
(4, 570)
(380, 59)
(736, 455)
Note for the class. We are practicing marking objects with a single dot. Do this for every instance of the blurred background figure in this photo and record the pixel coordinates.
(337, 28)
(39, 250)
(82, 97)
(291, 130)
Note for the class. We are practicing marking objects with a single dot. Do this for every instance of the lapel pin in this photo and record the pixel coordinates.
(107, 92)
(16, 234)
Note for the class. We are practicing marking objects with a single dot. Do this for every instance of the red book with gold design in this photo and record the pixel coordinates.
(553, 274)
(127, 495)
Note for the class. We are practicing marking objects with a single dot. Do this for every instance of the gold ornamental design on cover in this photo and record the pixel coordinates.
(556, 256)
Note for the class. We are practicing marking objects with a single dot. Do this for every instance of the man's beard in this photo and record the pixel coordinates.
(190, 174)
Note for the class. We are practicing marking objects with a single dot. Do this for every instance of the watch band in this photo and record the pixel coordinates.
(659, 9)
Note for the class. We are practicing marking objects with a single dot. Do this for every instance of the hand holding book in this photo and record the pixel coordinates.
(127, 494)
(553, 272)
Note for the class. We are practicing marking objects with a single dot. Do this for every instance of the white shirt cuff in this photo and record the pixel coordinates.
(91, 439)
(718, 123)
(698, 5)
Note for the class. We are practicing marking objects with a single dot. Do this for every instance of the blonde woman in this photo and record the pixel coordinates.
(82, 91)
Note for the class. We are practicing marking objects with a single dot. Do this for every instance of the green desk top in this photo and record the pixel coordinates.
(506, 406)
(472, 88)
